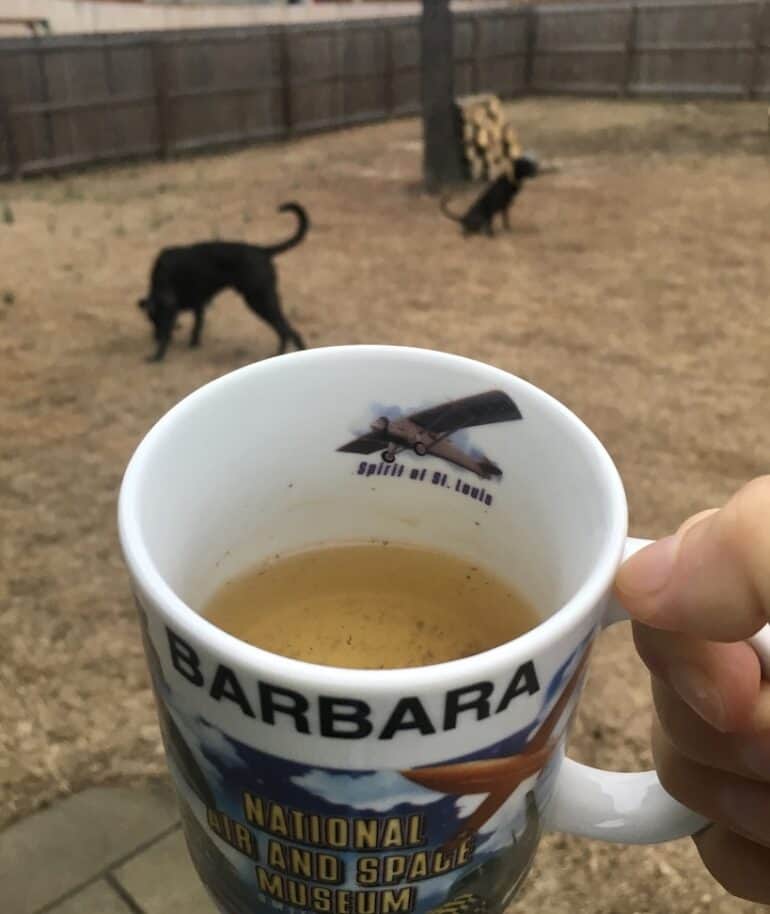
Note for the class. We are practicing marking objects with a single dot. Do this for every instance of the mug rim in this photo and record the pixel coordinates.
(227, 648)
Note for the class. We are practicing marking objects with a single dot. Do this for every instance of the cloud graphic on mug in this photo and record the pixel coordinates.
(214, 742)
(379, 791)
(497, 832)
(390, 412)
(467, 805)
(209, 746)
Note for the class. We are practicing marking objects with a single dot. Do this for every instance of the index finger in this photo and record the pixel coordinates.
(711, 579)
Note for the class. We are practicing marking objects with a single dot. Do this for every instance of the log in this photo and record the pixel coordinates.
(473, 108)
(495, 108)
(477, 170)
(475, 165)
(512, 152)
(488, 143)
(495, 148)
(470, 101)
(478, 115)
(509, 134)
(493, 129)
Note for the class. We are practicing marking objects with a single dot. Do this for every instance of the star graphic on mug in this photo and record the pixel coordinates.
(497, 778)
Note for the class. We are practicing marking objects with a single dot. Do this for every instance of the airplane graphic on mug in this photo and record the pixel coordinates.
(428, 431)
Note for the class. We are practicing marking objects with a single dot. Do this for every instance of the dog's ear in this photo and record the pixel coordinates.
(142, 303)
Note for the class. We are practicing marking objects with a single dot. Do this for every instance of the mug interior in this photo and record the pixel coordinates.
(249, 467)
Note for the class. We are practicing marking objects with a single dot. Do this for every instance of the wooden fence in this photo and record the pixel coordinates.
(719, 48)
(72, 101)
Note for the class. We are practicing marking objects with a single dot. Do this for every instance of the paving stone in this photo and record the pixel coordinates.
(54, 851)
(163, 879)
(98, 898)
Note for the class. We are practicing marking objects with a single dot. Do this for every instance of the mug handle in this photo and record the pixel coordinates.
(633, 807)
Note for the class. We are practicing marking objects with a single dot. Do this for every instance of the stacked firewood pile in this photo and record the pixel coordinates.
(490, 144)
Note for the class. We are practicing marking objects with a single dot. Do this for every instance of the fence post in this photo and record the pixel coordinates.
(287, 97)
(531, 49)
(6, 122)
(760, 11)
(475, 54)
(389, 90)
(632, 40)
(159, 53)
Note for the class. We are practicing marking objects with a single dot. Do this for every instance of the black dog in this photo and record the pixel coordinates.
(497, 198)
(187, 278)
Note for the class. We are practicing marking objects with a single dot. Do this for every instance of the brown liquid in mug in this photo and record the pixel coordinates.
(371, 606)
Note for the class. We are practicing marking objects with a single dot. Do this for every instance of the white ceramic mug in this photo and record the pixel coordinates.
(342, 791)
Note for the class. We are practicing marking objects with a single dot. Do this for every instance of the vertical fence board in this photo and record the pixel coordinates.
(503, 52)
(406, 63)
(694, 49)
(581, 49)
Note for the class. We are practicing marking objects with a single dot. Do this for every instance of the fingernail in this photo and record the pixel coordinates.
(745, 805)
(649, 570)
(695, 688)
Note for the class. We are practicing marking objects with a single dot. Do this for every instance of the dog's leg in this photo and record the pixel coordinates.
(296, 338)
(488, 227)
(287, 333)
(269, 309)
(160, 352)
(195, 337)
(164, 329)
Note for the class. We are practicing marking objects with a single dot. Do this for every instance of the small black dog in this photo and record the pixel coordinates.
(497, 198)
(187, 278)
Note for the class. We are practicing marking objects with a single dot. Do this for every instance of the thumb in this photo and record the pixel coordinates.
(711, 579)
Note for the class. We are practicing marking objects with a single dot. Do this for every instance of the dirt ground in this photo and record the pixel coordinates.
(634, 287)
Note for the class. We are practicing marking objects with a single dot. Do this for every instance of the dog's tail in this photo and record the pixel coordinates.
(303, 223)
(447, 212)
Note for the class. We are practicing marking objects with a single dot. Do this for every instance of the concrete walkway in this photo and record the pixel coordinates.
(108, 850)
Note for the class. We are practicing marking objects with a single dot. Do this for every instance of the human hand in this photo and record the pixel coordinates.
(694, 597)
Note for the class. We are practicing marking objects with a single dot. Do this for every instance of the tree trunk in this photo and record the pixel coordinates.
(442, 163)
